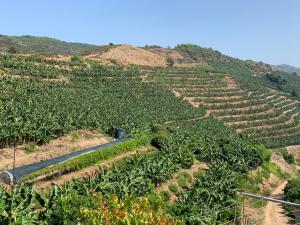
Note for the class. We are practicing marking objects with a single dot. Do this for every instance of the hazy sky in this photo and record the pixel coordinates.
(263, 30)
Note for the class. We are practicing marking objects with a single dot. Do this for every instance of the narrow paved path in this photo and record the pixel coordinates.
(274, 213)
(27, 169)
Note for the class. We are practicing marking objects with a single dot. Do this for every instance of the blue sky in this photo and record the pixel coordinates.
(263, 30)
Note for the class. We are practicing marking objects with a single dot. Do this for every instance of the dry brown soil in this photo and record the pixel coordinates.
(127, 54)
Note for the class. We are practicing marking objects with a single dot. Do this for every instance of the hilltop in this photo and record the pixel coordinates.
(47, 45)
(183, 55)
(287, 68)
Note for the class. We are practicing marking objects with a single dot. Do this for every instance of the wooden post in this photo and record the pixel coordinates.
(14, 162)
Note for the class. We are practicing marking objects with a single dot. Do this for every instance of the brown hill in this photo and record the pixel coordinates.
(127, 54)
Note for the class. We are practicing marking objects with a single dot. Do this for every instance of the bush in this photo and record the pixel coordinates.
(170, 61)
(292, 190)
(30, 147)
(289, 158)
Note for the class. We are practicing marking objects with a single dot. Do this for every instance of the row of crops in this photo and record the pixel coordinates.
(93, 96)
(208, 140)
(267, 116)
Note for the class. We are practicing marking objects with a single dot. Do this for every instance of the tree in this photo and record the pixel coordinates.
(170, 61)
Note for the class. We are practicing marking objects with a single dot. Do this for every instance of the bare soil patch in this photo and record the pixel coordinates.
(177, 94)
(274, 213)
(230, 82)
(127, 54)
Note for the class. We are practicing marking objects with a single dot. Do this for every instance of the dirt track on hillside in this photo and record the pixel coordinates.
(274, 213)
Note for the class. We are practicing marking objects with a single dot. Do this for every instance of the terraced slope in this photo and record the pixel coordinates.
(267, 116)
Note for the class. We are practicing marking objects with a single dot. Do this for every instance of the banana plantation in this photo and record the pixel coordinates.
(138, 177)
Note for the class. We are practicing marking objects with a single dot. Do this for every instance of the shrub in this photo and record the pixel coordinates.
(289, 158)
(170, 61)
(292, 190)
(75, 136)
(30, 147)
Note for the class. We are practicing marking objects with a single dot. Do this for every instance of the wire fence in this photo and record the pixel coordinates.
(290, 211)
(249, 209)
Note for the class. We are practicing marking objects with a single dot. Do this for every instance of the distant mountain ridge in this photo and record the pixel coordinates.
(287, 68)
(48, 45)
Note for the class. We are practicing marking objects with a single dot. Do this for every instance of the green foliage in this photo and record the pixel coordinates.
(42, 44)
(276, 79)
(76, 58)
(30, 147)
(215, 190)
(96, 97)
(91, 158)
(174, 189)
(165, 195)
(289, 158)
(160, 139)
(187, 158)
(188, 177)
(265, 153)
(292, 190)
(250, 183)
(270, 167)
(127, 211)
(182, 182)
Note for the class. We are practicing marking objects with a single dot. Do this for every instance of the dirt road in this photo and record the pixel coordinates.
(274, 213)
